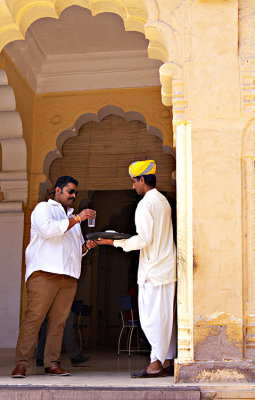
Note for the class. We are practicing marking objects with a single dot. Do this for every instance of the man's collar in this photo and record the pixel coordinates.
(150, 192)
(56, 203)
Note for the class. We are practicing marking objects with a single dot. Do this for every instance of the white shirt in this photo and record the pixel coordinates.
(51, 248)
(154, 239)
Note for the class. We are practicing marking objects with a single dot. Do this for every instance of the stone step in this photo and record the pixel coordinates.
(98, 393)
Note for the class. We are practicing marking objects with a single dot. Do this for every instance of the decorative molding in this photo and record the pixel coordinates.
(248, 85)
(87, 71)
(171, 78)
(13, 177)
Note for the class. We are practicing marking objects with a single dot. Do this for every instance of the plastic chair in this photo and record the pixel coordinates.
(126, 305)
(81, 310)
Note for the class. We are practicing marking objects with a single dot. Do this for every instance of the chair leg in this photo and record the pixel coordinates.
(137, 340)
(79, 331)
(130, 330)
(120, 340)
(130, 338)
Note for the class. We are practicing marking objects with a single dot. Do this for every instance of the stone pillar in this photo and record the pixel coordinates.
(11, 244)
(185, 244)
(13, 188)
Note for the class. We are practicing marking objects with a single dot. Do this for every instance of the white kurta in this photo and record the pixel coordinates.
(156, 272)
(154, 239)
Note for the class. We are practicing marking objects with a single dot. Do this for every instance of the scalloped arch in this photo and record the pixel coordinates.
(83, 119)
(138, 15)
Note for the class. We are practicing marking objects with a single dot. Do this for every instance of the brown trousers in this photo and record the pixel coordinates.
(47, 292)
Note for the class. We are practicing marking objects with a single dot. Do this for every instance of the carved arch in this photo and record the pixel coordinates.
(164, 40)
(83, 119)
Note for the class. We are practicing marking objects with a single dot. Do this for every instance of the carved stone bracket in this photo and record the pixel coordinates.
(173, 93)
(13, 177)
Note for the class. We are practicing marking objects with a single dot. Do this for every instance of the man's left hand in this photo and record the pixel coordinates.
(104, 241)
(90, 244)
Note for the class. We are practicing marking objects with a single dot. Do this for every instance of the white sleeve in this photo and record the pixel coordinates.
(144, 228)
(82, 238)
(44, 223)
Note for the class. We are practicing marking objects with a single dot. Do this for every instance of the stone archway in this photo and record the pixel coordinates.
(184, 214)
(97, 118)
(166, 34)
(248, 188)
(97, 151)
(164, 38)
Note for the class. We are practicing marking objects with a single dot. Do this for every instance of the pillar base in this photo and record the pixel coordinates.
(215, 371)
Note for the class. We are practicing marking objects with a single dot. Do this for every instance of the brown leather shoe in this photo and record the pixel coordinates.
(55, 369)
(19, 371)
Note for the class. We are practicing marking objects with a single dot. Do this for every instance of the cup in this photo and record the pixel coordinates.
(91, 222)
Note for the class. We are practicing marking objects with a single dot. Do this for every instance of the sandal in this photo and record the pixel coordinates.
(168, 371)
(143, 373)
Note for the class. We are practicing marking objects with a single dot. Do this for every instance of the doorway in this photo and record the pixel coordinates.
(110, 271)
(98, 157)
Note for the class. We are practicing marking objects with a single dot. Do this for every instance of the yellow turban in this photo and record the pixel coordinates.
(139, 168)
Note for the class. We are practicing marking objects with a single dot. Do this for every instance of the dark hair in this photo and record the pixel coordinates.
(63, 181)
(149, 179)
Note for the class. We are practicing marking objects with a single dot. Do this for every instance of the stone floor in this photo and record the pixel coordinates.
(106, 376)
(104, 368)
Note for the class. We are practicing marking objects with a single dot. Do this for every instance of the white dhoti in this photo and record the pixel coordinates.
(156, 311)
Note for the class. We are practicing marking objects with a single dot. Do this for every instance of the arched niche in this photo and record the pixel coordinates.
(116, 146)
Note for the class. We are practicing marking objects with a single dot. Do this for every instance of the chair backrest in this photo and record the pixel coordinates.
(125, 302)
(86, 310)
(77, 306)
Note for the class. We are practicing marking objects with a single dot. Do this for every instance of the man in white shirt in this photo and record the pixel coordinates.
(157, 268)
(53, 265)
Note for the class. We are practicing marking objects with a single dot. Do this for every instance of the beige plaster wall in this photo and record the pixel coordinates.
(214, 108)
(218, 307)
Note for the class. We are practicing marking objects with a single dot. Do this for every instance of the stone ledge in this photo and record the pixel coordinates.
(98, 393)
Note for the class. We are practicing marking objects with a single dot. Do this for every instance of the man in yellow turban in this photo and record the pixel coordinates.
(156, 271)
(140, 168)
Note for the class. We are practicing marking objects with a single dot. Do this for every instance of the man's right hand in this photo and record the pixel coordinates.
(86, 214)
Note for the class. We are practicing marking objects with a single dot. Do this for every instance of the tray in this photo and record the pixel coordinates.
(107, 235)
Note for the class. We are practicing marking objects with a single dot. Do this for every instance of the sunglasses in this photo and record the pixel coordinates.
(72, 191)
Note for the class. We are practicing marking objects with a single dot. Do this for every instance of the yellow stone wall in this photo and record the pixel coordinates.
(213, 94)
